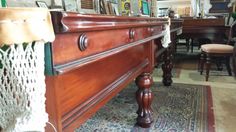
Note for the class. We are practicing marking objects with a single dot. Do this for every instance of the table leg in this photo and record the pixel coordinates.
(144, 97)
(167, 68)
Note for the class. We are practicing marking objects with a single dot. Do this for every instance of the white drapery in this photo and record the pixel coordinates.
(166, 38)
(206, 6)
(200, 6)
(195, 7)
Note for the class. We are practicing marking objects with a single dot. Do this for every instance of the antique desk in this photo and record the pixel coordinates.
(93, 58)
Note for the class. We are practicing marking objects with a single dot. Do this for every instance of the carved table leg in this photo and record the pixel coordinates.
(167, 67)
(144, 97)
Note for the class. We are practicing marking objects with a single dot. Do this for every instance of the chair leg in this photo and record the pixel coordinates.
(227, 59)
(219, 64)
(201, 63)
(191, 45)
(187, 44)
(208, 66)
(234, 62)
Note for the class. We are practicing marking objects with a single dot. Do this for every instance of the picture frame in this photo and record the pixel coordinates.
(87, 6)
(41, 4)
(145, 8)
(70, 5)
(125, 7)
(102, 8)
(135, 7)
(115, 9)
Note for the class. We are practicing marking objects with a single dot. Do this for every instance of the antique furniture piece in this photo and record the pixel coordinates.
(212, 29)
(23, 33)
(217, 50)
(93, 58)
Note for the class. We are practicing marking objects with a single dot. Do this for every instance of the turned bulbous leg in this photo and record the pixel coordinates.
(144, 97)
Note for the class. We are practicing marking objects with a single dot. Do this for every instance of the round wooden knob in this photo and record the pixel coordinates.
(83, 42)
(150, 29)
(131, 33)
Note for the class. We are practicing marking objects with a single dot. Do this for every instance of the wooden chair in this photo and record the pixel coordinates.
(209, 51)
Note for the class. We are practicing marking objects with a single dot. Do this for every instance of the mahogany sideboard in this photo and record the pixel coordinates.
(93, 58)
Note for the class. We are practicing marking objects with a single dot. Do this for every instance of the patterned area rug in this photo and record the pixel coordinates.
(159, 73)
(178, 108)
(190, 63)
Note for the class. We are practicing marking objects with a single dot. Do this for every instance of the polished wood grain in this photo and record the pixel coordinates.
(74, 22)
(71, 51)
(144, 97)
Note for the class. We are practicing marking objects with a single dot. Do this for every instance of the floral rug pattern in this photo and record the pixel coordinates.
(177, 108)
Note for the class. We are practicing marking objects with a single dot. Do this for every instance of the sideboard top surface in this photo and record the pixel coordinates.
(65, 22)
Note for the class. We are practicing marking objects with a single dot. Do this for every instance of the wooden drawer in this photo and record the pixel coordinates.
(66, 47)
(156, 29)
(139, 33)
(69, 47)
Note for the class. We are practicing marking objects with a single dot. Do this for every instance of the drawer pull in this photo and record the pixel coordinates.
(131, 33)
(83, 42)
(150, 29)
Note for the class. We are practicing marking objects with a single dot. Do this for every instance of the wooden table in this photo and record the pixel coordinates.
(92, 59)
(212, 29)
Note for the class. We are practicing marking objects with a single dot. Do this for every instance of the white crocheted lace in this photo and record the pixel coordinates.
(165, 41)
(22, 89)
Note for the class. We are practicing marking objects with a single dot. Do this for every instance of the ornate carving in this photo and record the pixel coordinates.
(144, 97)
(167, 68)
